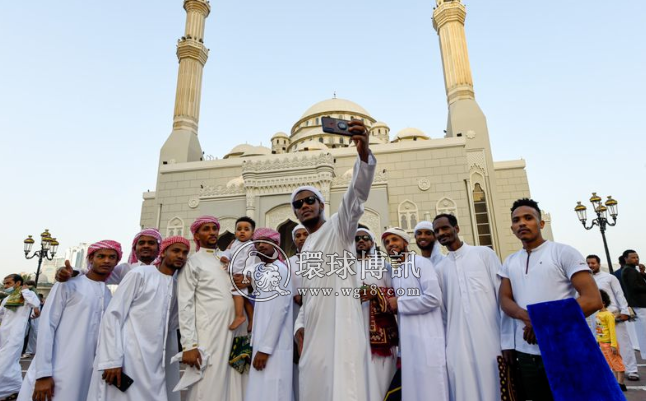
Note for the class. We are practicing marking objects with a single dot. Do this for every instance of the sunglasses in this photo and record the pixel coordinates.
(362, 237)
(310, 200)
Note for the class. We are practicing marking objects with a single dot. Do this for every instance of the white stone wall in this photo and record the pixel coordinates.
(512, 184)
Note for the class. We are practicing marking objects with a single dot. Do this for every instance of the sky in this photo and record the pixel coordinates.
(87, 92)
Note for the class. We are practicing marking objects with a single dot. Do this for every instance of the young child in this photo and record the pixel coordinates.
(245, 227)
(607, 339)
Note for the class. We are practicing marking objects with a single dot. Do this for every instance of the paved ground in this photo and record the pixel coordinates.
(636, 390)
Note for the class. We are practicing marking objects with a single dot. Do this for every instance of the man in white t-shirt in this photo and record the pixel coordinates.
(540, 272)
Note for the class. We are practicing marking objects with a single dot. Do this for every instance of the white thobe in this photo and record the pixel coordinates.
(436, 255)
(205, 312)
(383, 367)
(472, 316)
(134, 335)
(334, 364)
(610, 284)
(32, 328)
(73, 311)
(272, 334)
(421, 331)
(12, 336)
(296, 284)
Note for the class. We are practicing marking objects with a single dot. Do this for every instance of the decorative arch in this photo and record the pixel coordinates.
(482, 216)
(278, 215)
(446, 205)
(371, 221)
(175, 227)
(227, 224)
(408, 215)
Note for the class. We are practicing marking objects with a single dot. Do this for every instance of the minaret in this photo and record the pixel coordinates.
(183, 145)
(465, 118)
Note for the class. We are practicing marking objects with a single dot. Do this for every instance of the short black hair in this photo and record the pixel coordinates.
(594, 257)
(527, 202)
(622, 260)
(30, 283)
(17, 278)
(627, 252)
(605, 298)
(246, 219)
(453, 221)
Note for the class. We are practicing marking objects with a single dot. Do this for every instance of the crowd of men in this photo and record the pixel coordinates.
(414, 327)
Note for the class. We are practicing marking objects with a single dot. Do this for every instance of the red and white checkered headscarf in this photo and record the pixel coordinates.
(105, 244)
(148, 232)
(178, 239)
(270, 235)
(201, 221)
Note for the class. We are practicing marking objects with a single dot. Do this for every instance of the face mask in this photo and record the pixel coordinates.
(9, 290)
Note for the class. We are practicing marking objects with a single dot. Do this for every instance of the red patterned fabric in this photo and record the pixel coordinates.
(178, 239)
(148, 232)
(199, 222)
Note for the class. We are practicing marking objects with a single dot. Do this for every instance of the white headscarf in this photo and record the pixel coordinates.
(423, 225)
(298, 227)
(373, 249)
(313, 190)
(398, 232)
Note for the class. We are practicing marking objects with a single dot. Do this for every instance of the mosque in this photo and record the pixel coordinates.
(418, 176)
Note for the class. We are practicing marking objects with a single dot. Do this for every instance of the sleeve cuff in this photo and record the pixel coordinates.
(110, 364)
(44, 373)
(266, 350)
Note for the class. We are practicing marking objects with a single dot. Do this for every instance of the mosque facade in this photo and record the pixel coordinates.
(418, 177)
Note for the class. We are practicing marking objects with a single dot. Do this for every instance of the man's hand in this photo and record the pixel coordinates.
(224, 260)
(241, 282)
(112, 376)
(360, 138)
(64, 273)
(614, 350)
(36, 313)
(300, 338)
(529, 336)
(192, 358)
(43, 389)
(298, 300)
(642, 268)
(260, 360)
(623, 317)
(392, 302)
(509, 355)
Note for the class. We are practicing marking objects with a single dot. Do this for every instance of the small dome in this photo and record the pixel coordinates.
(311, 145)
(257, 151)
(335, 105)
(380, 124)
(279, 135)
(236, 181)
(238, 150)
(408, 133)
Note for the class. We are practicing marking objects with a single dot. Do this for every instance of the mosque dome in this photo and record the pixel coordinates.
(311, 146)
(256, 151)
(279, 135)
(238, 150)
(335, 105)
(380, 124)
(410, 134)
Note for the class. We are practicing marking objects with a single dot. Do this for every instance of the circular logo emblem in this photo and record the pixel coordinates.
(258, 263)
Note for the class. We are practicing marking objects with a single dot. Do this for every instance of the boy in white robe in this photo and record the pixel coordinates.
(205, 312)
(334, 362)
(270, 377)
(14, 311)
(421, 331)
(134, 334)
(375, 276)
(472, 314)
(62, 368)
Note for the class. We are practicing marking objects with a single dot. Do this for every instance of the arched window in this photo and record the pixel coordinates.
(482, 216)
(321, 139)
(341, 140)
(408, 213)
(317, 121)
(175, 227)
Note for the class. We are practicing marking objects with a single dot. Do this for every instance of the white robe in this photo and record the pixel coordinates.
(472, 316)
(12, 337)
(69, 330)
(205, 312)
(134, 335)
(383, 367)
(32, 328)
(272, 334)
(421, 332)
(334, 364)
(296, 284)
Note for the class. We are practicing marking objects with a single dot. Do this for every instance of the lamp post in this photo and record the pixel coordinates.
(601, 221)
(48, 248)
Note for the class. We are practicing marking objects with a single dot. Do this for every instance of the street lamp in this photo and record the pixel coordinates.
(48, 248)
(602, 221)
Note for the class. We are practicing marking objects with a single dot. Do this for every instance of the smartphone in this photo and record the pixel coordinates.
(335, 126)
(126, 382)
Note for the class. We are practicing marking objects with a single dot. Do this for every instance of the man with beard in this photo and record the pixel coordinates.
(469, 281)
(421, 332)
(62, 368)
(145, 248)
(335, 351)
(426, 242)
(134, 337)
(540, 272)
(206, 310)
(379, 319)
